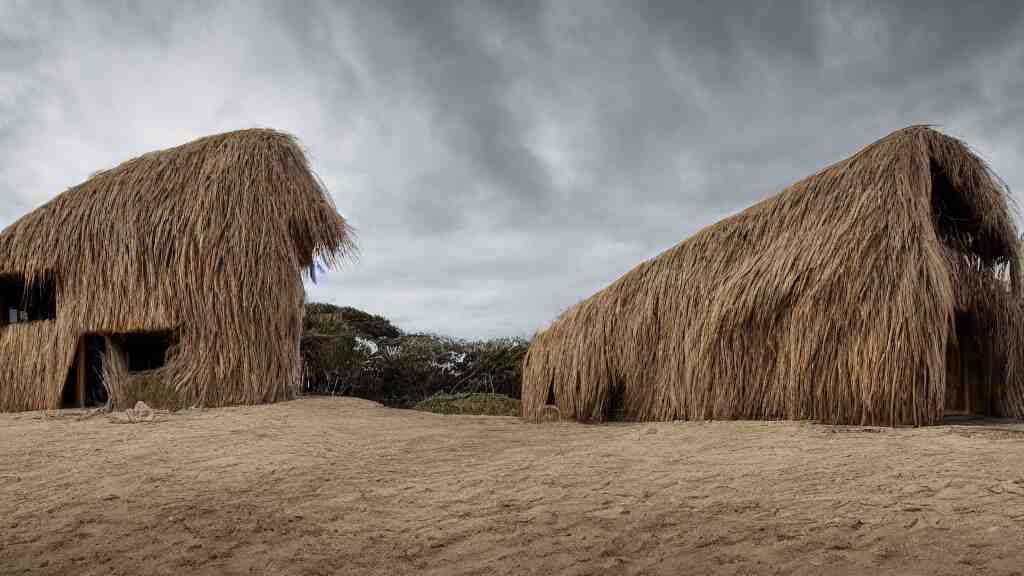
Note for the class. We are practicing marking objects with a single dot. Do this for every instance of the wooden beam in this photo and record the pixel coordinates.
(80, 376)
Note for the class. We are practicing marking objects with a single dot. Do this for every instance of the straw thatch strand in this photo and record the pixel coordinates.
(206, 241)
(839, 299)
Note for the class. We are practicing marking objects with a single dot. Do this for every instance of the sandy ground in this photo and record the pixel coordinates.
(343, 486)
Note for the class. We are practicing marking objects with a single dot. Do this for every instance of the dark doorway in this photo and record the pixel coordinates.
(615, 405)
(968, 379)
(85, 387)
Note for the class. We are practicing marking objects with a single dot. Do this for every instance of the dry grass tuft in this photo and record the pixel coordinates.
(477, 403)
(834, 300)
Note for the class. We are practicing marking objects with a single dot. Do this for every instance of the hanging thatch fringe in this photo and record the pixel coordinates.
(207, 240)
(834, 300)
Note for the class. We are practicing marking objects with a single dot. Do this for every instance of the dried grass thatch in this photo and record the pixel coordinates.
(207, 240)
(835, 300)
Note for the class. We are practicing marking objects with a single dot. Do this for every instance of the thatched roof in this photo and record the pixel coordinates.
(208, 238)
(833, 300)
(220, 192)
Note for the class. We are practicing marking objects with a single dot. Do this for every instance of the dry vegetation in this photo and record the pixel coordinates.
(343, 486)
(833, 300)
(476, 404)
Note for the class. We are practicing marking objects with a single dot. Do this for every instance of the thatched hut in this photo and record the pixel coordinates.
(881, 290)
(174, 278)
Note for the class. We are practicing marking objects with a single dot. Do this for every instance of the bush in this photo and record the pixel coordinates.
(348, 351)
(362, 324)
(332, 361)
(407, 369)
(494, 366)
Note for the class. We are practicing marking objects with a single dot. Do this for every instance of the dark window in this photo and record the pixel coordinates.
(953, 216)
(957, 222)
(27, 303)
(145, 350)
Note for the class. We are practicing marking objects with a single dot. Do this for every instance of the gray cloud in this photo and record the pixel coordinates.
(503, 160)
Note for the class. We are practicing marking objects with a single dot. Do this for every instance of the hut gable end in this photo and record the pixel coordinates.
(838, 300)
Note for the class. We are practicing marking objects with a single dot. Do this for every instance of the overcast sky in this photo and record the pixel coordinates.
(503, 160)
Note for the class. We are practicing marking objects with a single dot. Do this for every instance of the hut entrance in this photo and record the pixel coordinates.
(968, 378)
(84, 386)
(969, 354)
(615, 408)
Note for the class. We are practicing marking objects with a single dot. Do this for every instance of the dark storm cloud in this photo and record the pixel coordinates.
(503, 160)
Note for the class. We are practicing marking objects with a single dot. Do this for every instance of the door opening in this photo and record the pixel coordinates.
(968, 378)
(615, 405)
(85, 385)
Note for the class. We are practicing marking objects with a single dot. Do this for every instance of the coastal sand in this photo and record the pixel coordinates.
(344, 486)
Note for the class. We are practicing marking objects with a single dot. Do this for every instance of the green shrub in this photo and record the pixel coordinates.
(321, 317)
(333, 359)
(494, 366)
(359, 354)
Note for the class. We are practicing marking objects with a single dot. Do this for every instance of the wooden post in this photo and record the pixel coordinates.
(80, 376)
(986, 392)
(967, 375)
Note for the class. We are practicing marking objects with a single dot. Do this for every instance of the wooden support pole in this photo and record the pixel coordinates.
(986, 392)
(80, 376)
(967, 376)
